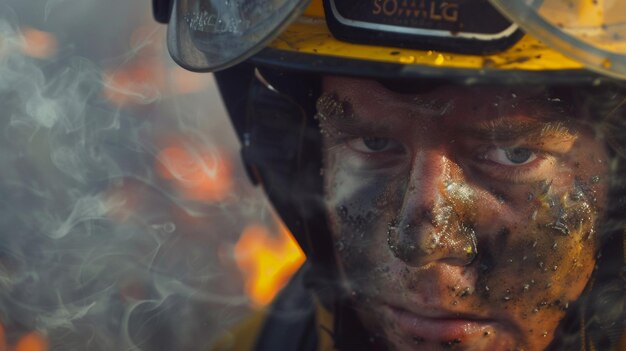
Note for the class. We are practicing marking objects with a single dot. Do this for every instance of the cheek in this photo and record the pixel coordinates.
(540, 259)
(360, 208)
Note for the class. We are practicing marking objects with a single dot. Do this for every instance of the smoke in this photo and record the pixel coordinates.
(98, 251)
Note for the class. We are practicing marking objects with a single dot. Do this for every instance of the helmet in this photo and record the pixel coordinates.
(277, 51)
(416, 36)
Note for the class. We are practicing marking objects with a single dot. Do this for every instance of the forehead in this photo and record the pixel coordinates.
(480, 101)
(366, 88)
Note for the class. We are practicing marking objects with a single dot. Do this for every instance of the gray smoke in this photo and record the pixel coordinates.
(97, 251)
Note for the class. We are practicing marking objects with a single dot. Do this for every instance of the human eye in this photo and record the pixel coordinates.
(514, 156)
(372, 153)
(375, 145)
(517, 164)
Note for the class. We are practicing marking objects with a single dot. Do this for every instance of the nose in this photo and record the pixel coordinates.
(436, 220)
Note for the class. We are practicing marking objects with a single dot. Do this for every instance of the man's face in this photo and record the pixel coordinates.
(463, 217)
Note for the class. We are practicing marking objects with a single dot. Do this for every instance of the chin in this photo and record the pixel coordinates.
(404, 331)
(493, 342)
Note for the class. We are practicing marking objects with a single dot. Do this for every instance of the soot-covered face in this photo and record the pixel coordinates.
(463, 217)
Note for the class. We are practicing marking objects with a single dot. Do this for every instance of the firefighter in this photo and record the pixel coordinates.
(454, 182)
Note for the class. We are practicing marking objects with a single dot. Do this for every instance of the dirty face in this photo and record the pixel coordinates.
(463, 217)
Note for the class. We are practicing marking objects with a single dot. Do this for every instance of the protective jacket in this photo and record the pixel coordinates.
(296, 320)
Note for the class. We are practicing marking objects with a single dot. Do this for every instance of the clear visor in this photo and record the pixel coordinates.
(209, 35)
(592, 32)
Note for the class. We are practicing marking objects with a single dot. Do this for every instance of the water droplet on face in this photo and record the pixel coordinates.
(526, 287)
(544, 334)
(595, 179)
(560, 227)
(339, 246)
(469, 250)
(450, 344)
(343, 212)
(555, 268)
(418, 340)
(455, 302)
(576, 194)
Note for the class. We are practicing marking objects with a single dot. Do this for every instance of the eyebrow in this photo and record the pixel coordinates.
(339, 115)
(503, 129)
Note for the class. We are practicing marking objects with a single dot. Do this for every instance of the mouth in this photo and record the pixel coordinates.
(440, 326)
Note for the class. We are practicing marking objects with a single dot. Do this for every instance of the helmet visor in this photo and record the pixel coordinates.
(592, 32)
(209, 35)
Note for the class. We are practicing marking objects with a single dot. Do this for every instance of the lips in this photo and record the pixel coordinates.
(439, 325)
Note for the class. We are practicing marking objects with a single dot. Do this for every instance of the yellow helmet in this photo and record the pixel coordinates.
(476, 39)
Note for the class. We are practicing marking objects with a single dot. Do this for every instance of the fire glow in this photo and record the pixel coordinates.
(32, 341)
(267, 261)
(203, 175)
(38, 44)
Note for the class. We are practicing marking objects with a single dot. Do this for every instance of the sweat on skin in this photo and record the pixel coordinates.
(463, 217)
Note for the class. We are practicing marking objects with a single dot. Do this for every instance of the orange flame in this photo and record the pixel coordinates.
(267, 261)
(38, 44)
(136, 83)
(32, 341)
(199, 174)
(141, 79)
